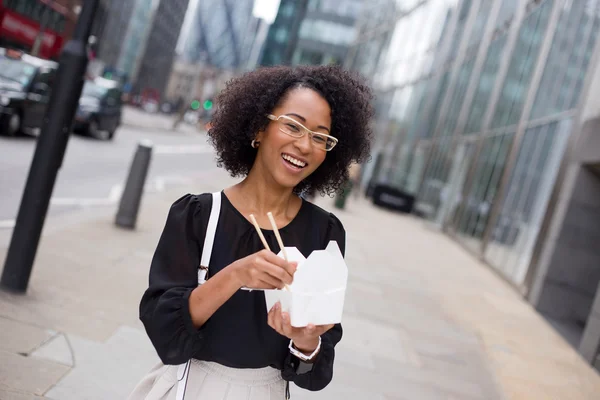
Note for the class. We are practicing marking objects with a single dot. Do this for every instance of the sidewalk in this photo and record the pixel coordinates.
(423, 319)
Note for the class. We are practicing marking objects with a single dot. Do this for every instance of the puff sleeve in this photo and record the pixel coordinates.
(164, 308)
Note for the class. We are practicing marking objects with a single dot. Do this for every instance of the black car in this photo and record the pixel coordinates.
(99, 111)
(25, 87)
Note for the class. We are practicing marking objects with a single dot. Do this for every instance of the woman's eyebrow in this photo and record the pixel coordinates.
(304, 120)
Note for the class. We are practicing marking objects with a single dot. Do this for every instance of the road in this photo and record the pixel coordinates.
(94, 172)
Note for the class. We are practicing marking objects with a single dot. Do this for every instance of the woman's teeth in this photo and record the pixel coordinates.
(292, 160)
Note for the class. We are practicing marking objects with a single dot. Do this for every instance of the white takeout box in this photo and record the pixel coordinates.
(317, 294)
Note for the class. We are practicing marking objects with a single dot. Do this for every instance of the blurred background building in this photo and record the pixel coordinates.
(485, 110)
(215, 44)
(282, 35)
(157, 59)
(327, 31)
(220, 33)
(311, 32)
(127, 32)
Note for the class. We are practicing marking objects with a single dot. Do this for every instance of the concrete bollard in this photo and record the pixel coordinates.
(134, 187)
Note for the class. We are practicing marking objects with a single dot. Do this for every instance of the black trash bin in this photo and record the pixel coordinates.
(393, 199)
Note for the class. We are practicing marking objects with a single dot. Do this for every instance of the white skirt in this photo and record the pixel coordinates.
(209, 380)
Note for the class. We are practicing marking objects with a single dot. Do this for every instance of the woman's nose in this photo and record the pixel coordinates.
(304, 143)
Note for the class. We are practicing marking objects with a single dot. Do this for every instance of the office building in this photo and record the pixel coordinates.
(118, 16)
(158, 56)
(485, 111)
(312, 32)
(326, 31)
(136, 38)
(220, 33)
(282, 36)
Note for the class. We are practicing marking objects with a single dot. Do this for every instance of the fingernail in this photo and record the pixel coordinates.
(285, 316)
(277, 306)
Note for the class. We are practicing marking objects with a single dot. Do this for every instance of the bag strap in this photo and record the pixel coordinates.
(183, 371)
(209, 239)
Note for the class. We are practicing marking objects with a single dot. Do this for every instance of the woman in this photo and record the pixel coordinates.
(284, 130)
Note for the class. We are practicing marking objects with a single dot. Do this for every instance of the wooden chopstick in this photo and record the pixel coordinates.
(264, 241)
(277, 235)
(259, 231)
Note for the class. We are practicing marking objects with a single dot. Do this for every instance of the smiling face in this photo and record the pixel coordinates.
(287, 159)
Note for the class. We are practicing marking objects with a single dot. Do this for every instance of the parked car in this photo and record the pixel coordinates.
(25, 88)
(100, 109)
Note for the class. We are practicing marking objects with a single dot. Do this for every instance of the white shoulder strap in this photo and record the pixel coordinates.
(183, 371)
(209, 239)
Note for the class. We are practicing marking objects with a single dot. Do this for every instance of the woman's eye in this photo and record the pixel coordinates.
(319, 139)
(293, 127)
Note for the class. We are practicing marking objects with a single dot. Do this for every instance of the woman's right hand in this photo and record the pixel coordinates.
(264, 270)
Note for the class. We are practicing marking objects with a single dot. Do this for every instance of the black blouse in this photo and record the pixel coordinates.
(237, 334)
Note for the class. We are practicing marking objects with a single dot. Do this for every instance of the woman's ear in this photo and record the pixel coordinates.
(260, 134)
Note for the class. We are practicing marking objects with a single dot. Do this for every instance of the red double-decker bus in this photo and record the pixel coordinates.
(21, 21)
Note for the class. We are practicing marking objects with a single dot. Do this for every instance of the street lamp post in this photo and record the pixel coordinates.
(49, 154)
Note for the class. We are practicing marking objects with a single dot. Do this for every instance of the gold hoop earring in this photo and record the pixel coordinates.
(254, 144)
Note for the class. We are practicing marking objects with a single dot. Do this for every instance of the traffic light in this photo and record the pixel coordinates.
(195, 105)
(208, 105)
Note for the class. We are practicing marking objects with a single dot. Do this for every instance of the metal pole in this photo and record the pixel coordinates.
(49, 154)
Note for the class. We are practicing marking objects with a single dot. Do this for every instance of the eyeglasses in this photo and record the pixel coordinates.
(291, 127)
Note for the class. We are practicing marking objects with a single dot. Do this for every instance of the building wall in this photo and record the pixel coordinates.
(157, 61)
(311, 32)
(220, 33)
(574, 270)
(282, 36)
(567, 271)
(118, 15)
(136, 38)
(477, 102)
(326, 31)
(181, 80)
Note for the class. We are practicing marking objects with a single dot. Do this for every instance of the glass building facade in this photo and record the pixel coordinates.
(136, 38)
(312, 32)
(219, 33)
(476, 103)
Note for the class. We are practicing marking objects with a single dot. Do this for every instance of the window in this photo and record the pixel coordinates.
(45, 77)
(38, 11)
(281, 35)
(568, 61)
(327, 32)
(113, 97)
(522, 64)
(485, 86)
(313, 5)
(287, 9)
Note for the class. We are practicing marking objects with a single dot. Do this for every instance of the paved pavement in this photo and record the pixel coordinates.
(423, 319)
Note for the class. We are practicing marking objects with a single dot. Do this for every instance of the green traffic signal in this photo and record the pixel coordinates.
(208, 105)
(195, 105)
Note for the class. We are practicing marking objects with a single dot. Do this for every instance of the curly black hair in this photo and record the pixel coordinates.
(242, 106)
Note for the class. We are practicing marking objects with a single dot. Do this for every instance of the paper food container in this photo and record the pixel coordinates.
(317, 294)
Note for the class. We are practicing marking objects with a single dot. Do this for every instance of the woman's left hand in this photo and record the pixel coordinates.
(305, 339)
